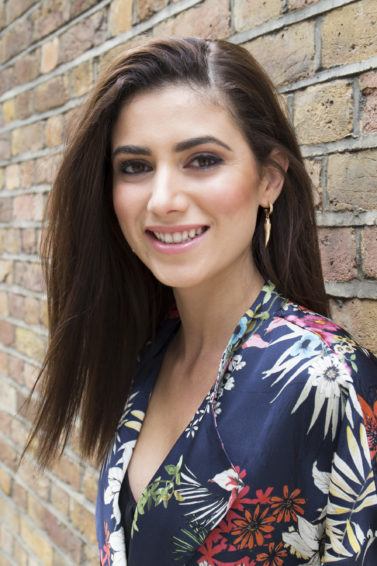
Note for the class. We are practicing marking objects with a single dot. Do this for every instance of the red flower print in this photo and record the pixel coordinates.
(263, 497)
(104, 553)
(251, 529)
(212, 545)
(287, 507)
(240, 501)
(370, 418)
(274, 556)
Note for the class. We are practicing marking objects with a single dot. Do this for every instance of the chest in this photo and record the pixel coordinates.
(176, 397)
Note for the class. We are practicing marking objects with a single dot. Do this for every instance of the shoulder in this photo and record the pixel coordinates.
(329, 339)
(297, 349)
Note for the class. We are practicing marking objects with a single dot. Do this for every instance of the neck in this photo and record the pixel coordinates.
(210, 312)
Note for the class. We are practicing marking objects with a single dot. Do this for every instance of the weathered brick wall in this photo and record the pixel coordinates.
(322, 55)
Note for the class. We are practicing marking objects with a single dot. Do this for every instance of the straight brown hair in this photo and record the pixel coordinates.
(103, 303)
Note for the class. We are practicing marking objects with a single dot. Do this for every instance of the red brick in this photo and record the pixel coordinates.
(16, 8)
(7, 77)
(79, 6)
(351, 182)
(19, 495)
(9, 515)
(28, 275)
(369, 251)
(85, 34)
(28, 207)
(15, 369)
(49, 16)
(26, 173)
(27, 138)
(6, 481)
(6, 271)
(359, 318)
(50, 94)
(5, 209)
(3, 20)
(17, 38)
(26, 68)
(299, 4)
(16, 306)
(5, 145)
(368, 87)
(46, 168)
(59, 499)
(29, 240)
(9, 241)
(32, 310)
(3, 364)
(210, 19)
(6, 543)
(9, 455)
(68, 471)
(30, 374)
(24, 105)
(5, 421)
(338, 253)
(56, 531)
(20, 556)
(19, 433)
(6, 333)
(38, 481)
(89, 484)
(82, 520)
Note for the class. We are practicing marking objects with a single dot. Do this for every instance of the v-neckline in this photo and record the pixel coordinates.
(201, 407)
(206, 401)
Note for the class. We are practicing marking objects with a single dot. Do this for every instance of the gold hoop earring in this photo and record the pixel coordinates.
(267, 224)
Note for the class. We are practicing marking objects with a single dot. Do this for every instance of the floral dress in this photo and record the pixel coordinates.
(278, 464)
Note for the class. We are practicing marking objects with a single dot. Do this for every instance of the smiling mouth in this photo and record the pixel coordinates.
(178, 237)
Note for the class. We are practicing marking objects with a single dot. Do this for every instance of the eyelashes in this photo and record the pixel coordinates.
(135, 167)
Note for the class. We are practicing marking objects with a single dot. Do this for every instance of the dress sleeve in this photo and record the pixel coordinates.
(351, 513)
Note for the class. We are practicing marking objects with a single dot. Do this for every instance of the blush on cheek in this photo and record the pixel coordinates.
(231, 198)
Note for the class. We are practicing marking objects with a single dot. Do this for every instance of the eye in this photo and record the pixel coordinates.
(132, 167)
(206, 160)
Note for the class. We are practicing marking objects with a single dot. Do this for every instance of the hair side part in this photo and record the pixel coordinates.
(103, 303)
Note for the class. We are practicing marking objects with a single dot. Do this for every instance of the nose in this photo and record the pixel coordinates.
(167, 195)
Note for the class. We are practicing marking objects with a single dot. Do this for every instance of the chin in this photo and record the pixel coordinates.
(178, 280)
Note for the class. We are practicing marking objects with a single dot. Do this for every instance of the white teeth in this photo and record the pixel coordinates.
(178, 237)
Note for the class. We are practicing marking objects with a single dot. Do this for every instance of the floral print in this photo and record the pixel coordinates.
(277, 466)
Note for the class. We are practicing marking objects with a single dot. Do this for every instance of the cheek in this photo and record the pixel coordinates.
(232, 198)
(125, 207)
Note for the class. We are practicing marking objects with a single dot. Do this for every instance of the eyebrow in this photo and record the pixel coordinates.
(181, 146)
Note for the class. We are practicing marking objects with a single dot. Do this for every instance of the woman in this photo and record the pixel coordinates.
(188, 317)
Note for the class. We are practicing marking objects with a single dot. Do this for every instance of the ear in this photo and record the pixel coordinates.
(273, 178)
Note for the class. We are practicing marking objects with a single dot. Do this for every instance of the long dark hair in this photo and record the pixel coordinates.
(103, 303)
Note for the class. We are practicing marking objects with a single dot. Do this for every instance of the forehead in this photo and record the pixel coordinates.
(174, 111)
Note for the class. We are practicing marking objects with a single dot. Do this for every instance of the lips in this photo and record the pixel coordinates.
(172, 241)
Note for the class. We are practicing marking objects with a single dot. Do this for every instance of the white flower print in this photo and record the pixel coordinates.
(331, 379)
(305, 542)
(118, 547)
(229, 383)
(321, 479)
(228, 479)
(115, 478)
(236, 363)
(112, 491)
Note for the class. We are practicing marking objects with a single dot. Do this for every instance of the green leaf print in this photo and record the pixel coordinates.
(159, 491)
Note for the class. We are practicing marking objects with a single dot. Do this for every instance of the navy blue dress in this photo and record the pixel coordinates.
(277, 465)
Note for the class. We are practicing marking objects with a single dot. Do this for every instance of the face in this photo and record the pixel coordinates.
(186, 187)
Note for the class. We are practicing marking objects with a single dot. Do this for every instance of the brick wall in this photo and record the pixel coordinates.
(322, 55)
